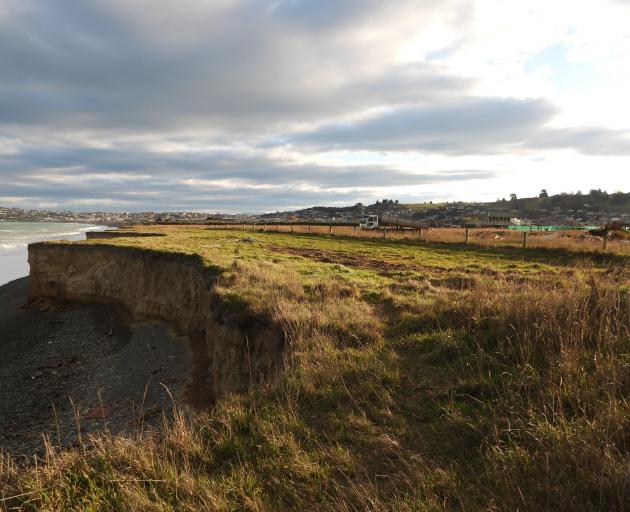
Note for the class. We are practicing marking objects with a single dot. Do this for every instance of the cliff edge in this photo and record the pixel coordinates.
(230, 354)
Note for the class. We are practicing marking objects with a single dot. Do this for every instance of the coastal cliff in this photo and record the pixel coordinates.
(231, 354)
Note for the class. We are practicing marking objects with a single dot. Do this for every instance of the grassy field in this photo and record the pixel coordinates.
(485, 237)
(420, 377)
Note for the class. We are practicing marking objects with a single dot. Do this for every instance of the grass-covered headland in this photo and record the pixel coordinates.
(419, 377)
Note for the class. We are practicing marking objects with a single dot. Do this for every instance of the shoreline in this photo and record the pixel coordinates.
(14, 263)
(57, 365)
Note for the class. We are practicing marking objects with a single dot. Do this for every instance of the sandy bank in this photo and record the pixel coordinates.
(57, 366)
(231, 353)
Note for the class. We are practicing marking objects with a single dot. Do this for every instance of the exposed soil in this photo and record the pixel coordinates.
(362, 262)
(344, 258)
(389, 267)
(61, 372)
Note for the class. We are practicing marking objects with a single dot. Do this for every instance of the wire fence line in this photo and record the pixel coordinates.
(576, 240)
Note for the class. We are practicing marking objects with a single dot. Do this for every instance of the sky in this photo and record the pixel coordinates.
(264, 105)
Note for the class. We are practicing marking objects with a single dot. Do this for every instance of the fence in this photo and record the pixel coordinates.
(553, 239)
(552, 228)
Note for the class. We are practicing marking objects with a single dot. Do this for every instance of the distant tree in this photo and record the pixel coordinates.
(396, 201)
(599, 194)
(543, 194)
(618, 197)
(578, 193)
(513, 197)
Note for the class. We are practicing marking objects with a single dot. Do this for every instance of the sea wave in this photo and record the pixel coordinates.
(12, 248)
(14, 242)
(17, 240)
(12, 245)
(62, 233)
(93, 228)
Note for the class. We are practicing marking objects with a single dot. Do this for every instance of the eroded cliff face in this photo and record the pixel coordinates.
(230, 355)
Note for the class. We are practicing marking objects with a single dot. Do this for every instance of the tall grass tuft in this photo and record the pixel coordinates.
(557, 356)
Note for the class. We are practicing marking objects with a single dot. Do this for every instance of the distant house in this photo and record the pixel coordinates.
(495, 219)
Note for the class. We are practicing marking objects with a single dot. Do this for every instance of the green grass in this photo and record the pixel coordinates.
(220, 247)
(421, 377)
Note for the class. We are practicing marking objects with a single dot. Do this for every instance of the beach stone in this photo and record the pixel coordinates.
(82, 362)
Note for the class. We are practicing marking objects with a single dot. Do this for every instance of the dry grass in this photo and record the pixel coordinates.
(560, 411)
(483, 237)
(438, 391)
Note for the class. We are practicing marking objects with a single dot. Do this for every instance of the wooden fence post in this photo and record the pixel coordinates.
(330, 230)
(604, 241)
(309, 228)
(419, 233)
(384, 232)
(264, 227)
(466, 236)
(524, 239)
(354, 231)
(277, 227)
(291, 228)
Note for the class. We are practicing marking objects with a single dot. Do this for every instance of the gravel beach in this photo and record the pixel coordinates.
(62, 371)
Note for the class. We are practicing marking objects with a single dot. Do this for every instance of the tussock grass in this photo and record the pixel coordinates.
(560, 406)
(432, 388)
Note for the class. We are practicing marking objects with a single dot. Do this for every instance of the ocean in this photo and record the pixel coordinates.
(15, 237)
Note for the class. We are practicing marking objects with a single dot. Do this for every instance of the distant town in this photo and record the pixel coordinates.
(595, 208)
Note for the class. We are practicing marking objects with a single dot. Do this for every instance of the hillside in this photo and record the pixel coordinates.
(593, 209)
(414, 376)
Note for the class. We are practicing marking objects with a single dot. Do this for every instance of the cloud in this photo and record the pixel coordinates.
(153, 66)
(474, 126)
(261, 104)
(216, 179)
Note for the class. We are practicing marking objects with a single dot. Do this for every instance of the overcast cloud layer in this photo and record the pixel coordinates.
(252, 105)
